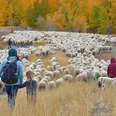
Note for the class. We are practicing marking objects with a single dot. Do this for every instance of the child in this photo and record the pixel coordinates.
(31, 87)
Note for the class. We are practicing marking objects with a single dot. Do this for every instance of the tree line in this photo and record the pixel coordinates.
(93, 16)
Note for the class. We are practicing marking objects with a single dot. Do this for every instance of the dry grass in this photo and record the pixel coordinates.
(60, 56)
(3, 45)
(39, 44)
(70, 99)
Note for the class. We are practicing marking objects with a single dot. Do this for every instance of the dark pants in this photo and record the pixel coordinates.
(11, 92)
(9, 46)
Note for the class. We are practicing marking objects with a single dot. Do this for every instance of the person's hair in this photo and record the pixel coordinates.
(12, 52)
(29, 75)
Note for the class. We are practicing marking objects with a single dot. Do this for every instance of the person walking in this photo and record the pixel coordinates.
(11, 73)
(111, 70)
(31, 87)
(9, 43)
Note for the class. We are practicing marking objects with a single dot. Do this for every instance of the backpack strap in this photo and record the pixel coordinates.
(8, 58)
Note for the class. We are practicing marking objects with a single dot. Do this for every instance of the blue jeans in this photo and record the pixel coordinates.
(11, 92)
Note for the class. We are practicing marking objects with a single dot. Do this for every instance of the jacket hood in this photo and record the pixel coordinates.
(113, 60)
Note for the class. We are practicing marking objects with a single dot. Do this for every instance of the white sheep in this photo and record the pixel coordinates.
(49, 73)
(42, 85)
(48, 78)
(68, 77)
(61, 69)
(66, 71)
(52, 84)
(36, 79)
(51, 68)
(94, 74)
(38, 60)
(76, 72)
(82, 76)
(41, 70)
(59, 81)
(54, 64)
(53, 59)
(105, 82)
(56, 73)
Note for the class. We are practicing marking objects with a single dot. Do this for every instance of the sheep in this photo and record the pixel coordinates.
(105, 82)
(48, 78)
(42, 85)
(94, 74)
(57, 66)
(51, 68)
(61, 69)
(36, 79)
(45, 80)
(41, 70)
(53, 59)
(52, 84)
(36, 72)
(39, 66)
(66, 71)
(76, 72)
(38, 60)
(68, 77)
(82, 76)
(44, 52)
(59, 81)
(103, 73)
(54, 64)
(37, 53)
(40, 63)
(56, 73)
(49, 73)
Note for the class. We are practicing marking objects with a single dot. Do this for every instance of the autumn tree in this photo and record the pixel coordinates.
(5, 12)
(35, 12)
(113, 15)
(69, 16)
(96, 16)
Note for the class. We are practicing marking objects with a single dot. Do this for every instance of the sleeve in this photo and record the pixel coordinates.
(22, 85)
(20, 72)
(1, 66)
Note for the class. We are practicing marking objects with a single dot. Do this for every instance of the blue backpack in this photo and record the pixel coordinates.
(10, 75)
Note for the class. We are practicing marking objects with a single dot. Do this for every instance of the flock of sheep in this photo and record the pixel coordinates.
(80, 47)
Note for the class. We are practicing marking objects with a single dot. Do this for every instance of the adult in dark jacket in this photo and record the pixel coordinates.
(12, 89)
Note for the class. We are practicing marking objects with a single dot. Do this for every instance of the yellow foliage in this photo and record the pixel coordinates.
(23, 23)
(67, 14)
